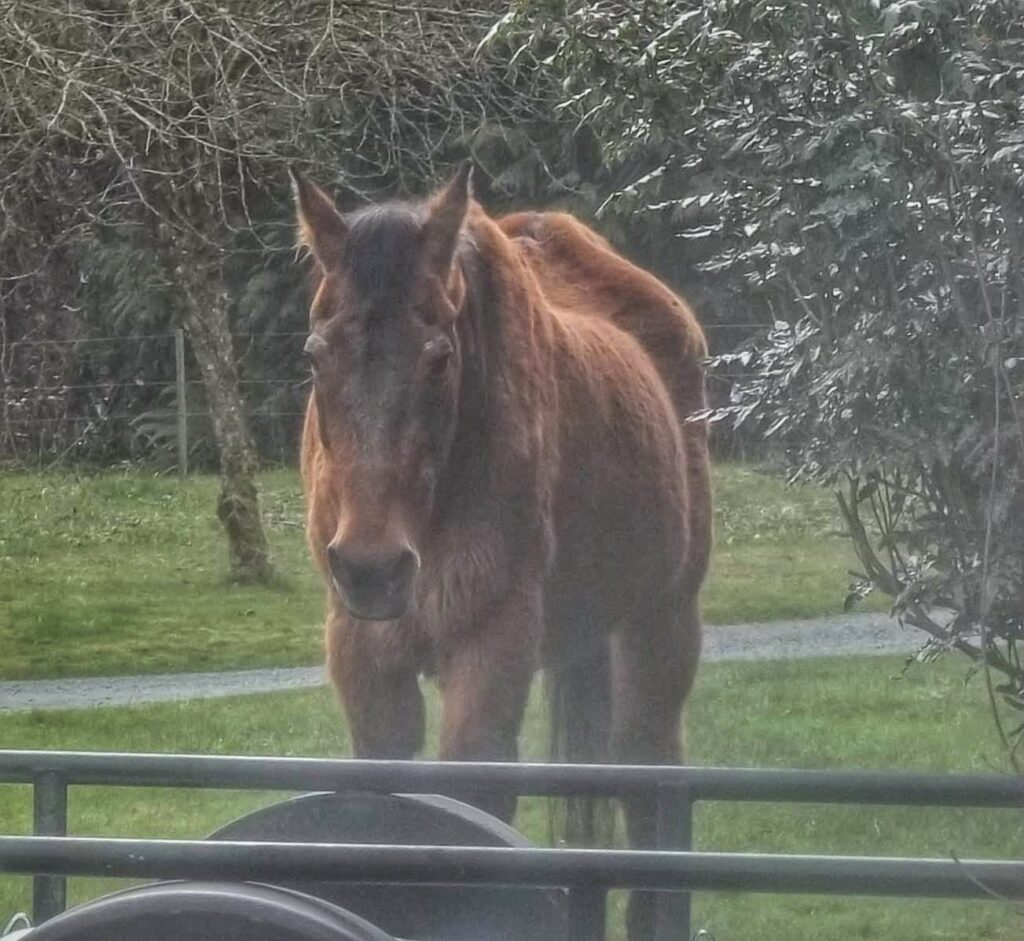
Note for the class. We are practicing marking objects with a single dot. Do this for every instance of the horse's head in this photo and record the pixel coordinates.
(386, 364)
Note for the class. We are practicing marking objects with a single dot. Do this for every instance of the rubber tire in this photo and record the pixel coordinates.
(207, 911)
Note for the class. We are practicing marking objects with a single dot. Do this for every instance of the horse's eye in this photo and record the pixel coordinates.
(313, 344)
(437, 353)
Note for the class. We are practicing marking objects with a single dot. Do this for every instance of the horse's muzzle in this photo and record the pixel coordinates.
(374, 584)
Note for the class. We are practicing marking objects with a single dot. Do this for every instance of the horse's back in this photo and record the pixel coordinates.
(621, 505)
(579, 271)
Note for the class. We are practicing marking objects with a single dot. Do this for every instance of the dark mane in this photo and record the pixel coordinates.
(479, 331)
(381, 250)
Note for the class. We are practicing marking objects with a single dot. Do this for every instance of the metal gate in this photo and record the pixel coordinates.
(588, 875)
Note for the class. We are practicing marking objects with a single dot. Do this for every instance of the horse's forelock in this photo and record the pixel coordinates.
(382, 250)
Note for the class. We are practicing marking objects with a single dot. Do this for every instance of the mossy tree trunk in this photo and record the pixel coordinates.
(206, 320)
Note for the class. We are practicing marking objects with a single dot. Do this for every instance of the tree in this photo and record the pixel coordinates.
(168, 124)
(856, 173)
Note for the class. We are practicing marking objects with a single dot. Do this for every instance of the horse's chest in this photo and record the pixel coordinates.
(456, 583)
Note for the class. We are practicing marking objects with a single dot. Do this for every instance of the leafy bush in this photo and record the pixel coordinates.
(855, 173)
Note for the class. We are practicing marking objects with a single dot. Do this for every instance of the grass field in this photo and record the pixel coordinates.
(853, 713)
(119, 573)
(125, 572)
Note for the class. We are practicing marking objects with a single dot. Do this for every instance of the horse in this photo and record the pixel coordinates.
(504, 471)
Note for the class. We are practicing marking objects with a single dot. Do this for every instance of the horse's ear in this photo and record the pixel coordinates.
(444, 222)
(321, 228)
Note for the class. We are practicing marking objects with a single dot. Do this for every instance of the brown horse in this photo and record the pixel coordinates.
(500, 476)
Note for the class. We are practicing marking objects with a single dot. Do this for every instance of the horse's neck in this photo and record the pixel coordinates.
(465, 472)
(490, 337)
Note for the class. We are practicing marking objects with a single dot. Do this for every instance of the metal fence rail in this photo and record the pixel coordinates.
(464, 865)
(588, 874)
(524, 779)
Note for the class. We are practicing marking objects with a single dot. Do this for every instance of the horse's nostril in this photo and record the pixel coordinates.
(368, 576)
(376, 566)
(404, 565)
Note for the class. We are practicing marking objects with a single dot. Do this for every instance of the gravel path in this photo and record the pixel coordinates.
(785, 640)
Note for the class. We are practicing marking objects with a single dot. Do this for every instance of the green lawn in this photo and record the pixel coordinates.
(124, 572)
(853, 713)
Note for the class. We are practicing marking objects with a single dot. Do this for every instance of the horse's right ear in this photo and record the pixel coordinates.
(446, 215)
(321, 228)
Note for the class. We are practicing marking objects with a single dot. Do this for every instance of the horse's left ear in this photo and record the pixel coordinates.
(321, 228)
(447, 213)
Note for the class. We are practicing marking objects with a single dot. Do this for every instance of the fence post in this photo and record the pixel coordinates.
(181, 400)
(675, 832)
(587, 913)
(50, 818)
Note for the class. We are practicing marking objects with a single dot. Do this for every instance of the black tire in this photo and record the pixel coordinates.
(424, 912)
(207, 911)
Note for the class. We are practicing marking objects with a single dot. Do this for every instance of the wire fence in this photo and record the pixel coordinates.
(293, 334)
(152, 407)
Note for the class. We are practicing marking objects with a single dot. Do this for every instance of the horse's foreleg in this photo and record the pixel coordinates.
(377, 683)
(653, 666)
(485, 682)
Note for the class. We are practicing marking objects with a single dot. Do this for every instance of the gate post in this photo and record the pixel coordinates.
(675, 832)
(181, 400)
(587, 913)
(49, 818)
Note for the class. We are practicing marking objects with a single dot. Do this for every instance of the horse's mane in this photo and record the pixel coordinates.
(479, 329)
(381, 251)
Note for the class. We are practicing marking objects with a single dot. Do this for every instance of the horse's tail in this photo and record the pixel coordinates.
(578, 687)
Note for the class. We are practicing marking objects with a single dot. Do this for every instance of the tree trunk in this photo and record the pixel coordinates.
(238, 507)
